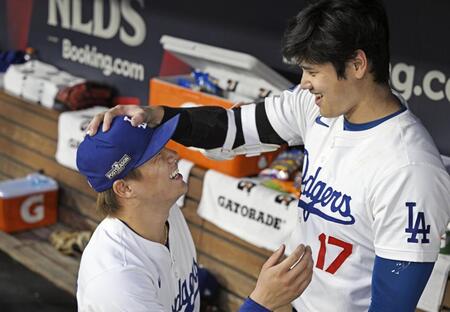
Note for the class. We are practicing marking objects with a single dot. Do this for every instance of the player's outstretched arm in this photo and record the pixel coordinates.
(280, 282)
(204, 127)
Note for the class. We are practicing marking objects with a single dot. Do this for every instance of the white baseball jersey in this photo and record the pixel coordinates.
(122, 271)
(380, 191)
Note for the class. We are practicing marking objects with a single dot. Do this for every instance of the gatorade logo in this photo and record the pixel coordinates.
(32, 209)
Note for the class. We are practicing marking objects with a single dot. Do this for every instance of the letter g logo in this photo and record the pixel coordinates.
(32, 209)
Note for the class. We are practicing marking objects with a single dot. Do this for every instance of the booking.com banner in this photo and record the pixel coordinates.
(420, 64)
(117, 41)
(428, 93)
(105, 41)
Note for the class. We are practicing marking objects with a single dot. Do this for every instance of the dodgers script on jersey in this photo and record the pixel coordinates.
(380, 191)
(122, 271)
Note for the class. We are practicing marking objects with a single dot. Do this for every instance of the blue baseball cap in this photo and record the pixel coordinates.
(110, 156)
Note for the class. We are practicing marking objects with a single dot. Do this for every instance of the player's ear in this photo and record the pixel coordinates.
(359, 64)
(122, 189)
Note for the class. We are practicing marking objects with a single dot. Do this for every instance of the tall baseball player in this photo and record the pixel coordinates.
(375, 195)
(141, 257)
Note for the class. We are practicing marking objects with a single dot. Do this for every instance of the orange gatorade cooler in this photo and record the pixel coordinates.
(245, 78)
(28, 202)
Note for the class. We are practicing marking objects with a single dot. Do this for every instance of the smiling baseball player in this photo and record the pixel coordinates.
(375, 194)
(141, 257)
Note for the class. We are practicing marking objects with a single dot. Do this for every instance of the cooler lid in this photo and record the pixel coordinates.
(33, 183)
(226, 64)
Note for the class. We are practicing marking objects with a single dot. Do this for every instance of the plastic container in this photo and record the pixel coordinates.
(250, 79)
(28, 203)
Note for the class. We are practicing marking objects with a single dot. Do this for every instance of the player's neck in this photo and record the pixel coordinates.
(147, 220)
(376, 101)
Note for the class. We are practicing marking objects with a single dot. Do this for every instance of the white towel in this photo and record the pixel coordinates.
(254, 213)
(38, 82)
(71, 132)
(184, 167)
(32, 88)
(433, 293)
(14, 78)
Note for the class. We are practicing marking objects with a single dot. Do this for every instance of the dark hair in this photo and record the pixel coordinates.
(107, 203)
(332, 30)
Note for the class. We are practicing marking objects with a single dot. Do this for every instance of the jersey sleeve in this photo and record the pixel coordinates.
(281, 119)
(252, 306)
(406, 280)
(410, 207)
(292, 113)
(124, 290)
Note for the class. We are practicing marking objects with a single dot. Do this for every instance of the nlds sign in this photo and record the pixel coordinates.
(68, 14)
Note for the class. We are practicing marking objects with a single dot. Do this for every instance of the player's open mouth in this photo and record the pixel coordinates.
(175, 175)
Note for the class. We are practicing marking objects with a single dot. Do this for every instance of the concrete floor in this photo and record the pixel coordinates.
(22, 290)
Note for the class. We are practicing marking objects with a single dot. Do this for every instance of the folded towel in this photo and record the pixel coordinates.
(71, 132)
(431, 299)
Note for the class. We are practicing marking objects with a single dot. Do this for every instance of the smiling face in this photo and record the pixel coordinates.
(160, 181)
(334, 96)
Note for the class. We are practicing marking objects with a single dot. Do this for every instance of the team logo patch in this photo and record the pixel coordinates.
(84, 123)
(118, 166)
(86, 119)
(73, 143)
(419, 227)
(246, 185)
(284, 199)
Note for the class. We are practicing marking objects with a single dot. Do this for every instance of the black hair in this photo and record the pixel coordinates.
(332, 30)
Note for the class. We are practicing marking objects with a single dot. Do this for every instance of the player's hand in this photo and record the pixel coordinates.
(150, 114)
(280, 282)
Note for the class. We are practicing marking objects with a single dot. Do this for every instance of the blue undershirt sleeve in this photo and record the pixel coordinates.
(251, 306)
(398, 285)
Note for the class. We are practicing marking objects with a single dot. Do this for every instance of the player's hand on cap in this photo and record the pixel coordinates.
(280, 282)
(151, 115)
